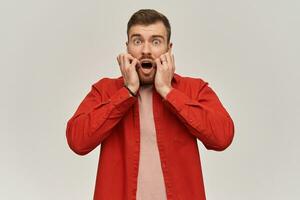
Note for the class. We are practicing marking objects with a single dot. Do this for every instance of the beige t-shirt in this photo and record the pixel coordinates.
(150, 184)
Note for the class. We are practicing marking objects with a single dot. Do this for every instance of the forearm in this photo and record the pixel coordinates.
(92, 123)
(204, 117)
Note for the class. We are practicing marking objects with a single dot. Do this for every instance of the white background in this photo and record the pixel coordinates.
(53, 51)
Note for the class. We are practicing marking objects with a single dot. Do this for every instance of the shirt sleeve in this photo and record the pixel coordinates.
(205, 117)
(95, 117)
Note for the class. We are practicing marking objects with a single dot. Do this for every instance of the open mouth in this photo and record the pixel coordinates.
(147, 64)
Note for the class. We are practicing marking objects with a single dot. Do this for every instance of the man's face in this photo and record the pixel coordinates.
(146, 43)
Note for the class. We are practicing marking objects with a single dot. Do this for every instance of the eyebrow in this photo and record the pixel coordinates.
(139, 35)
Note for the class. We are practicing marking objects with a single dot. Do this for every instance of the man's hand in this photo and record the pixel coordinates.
(127, 65)
(164, 73)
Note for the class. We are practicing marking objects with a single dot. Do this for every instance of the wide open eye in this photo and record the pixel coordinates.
(156, 42)
(137, 41)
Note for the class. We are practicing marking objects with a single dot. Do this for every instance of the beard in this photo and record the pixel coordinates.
(146, 70)
(146, 79)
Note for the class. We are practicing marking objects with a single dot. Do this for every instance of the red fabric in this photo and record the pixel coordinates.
(109, 116)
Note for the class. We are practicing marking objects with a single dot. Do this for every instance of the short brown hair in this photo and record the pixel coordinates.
(148, 17)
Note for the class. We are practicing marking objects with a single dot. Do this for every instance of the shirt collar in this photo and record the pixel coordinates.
(175, 79)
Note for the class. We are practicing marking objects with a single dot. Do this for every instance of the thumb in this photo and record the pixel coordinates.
(134, 62)
(158, 63)
(131, 58)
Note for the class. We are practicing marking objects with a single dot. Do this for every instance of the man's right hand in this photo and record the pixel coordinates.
(128, 65)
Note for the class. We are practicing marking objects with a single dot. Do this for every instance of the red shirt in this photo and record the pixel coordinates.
(109, 116)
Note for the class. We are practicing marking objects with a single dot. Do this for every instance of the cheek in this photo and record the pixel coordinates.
(158, 52)
(134, 51)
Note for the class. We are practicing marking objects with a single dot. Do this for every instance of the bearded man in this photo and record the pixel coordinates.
(148, 121)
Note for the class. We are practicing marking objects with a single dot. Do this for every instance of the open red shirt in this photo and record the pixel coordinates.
(109, 116)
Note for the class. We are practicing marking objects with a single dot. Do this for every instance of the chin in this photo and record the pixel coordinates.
(146, 80)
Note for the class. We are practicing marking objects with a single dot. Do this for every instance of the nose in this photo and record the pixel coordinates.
(146, 49)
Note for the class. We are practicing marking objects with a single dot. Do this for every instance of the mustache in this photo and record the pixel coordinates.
(143, 58)
(146, 57)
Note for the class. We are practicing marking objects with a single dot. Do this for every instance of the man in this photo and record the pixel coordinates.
(148, 121)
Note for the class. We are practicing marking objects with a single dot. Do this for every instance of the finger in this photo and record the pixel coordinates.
(171, 64)
(130, 57)
(122, 71)
(118, 59)
(134, 63)
(169, 60)
(126, 60)
(138, 63)
(158, 63)
(121, 63)
(123, 60)
(163, 59)
(121, 67)
(173, 61)
(170, 50)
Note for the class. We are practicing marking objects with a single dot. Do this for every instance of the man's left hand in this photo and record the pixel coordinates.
(165, 68)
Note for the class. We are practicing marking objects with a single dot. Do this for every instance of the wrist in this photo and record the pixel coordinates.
(164, 91)
(131, 91)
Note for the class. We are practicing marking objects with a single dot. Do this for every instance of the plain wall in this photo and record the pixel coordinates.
(53, 51)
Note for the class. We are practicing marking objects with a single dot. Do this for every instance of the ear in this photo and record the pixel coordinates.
(170, 45)
(127, 46)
